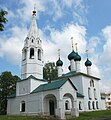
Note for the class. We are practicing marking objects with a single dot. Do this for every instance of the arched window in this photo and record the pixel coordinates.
(89, 105)
(89, 93)
(39, 54)
(95, 96)
(22, 106)
(32, 40)
(92, 83)
(80, 105)
(31, 53)
(67, 105)
(97, 105)
(93, 106)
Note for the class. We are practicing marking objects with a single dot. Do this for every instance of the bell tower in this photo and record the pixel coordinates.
(32, 52)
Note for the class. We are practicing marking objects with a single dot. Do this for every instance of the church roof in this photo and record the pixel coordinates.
(52, 85)
(80, 95)
(32, 77)
(74, 73)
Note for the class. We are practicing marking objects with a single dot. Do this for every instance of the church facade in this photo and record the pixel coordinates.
(70, 93)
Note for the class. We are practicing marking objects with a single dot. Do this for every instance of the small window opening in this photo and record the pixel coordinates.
(23, 106)
(89, 105)
(32, 40)
(97, 105)
(80, 106)
(93, 105)
(39, 54)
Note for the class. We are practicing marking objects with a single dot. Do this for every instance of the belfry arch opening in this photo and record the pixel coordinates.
(39, 54)
(31, 53)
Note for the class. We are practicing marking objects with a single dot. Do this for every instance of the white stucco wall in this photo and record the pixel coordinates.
(27, 86)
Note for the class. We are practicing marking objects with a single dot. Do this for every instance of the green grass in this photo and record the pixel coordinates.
(83, 116)
(94, 115)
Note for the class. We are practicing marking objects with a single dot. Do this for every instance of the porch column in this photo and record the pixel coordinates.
(74, 109)
(60, 113)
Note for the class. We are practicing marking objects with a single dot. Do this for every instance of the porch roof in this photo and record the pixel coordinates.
(53, 85)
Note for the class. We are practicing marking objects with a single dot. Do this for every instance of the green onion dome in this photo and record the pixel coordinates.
(69, 67)
(59, 62)
(88, 62)
(78, 57)
(72, 55)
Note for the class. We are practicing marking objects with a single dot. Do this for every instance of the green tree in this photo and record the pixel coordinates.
(2, 19)
(50, 71)
(7, 87)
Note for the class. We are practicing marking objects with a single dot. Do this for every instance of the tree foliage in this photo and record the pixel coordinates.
(2, 19)
(7, 87)
(50, 71)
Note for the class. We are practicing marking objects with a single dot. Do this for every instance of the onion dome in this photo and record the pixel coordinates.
(59, 62)
(69, 67)
(88, 62)
(72, 55)
(78, 57)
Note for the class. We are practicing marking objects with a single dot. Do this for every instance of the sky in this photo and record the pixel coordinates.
(87, 21)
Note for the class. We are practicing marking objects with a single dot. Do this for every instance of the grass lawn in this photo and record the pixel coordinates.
(94, 115)
(83, 116)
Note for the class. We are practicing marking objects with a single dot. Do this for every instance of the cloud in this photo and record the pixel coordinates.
(11, 47)
(106, 55)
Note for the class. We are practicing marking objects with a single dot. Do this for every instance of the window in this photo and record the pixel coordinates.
(39, 54)
(93, 105)
(109, 103)
(92, 83)
(89, 93)
(89, 105)
(108, 98)
(67, 105)
(80, 106)
(32, 40)
(95, 96)
(97, 105)
(31, 53)
(23, 106)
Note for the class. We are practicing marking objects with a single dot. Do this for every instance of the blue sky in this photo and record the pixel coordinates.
(89, 22)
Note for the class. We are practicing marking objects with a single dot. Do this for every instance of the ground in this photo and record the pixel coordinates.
(97, 115)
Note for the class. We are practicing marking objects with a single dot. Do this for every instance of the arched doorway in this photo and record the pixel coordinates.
(50, 104)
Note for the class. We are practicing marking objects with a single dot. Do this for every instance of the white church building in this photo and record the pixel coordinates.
(70, 93)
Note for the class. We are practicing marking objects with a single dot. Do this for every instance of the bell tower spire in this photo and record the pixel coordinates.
(32, 53)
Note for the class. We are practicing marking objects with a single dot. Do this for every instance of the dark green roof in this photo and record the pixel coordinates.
(88, 62)
(80, 95)
(72, 55)
(59, 62)
(52, 85)
(74, 73)
(78, 57)
(32, 77)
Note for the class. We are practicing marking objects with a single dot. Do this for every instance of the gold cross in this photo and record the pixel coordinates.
(34, 11)
(87, 53)
(59, 53)
(76, 47)
(72, 43)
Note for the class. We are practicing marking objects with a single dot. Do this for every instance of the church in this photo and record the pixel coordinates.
(70, 93)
